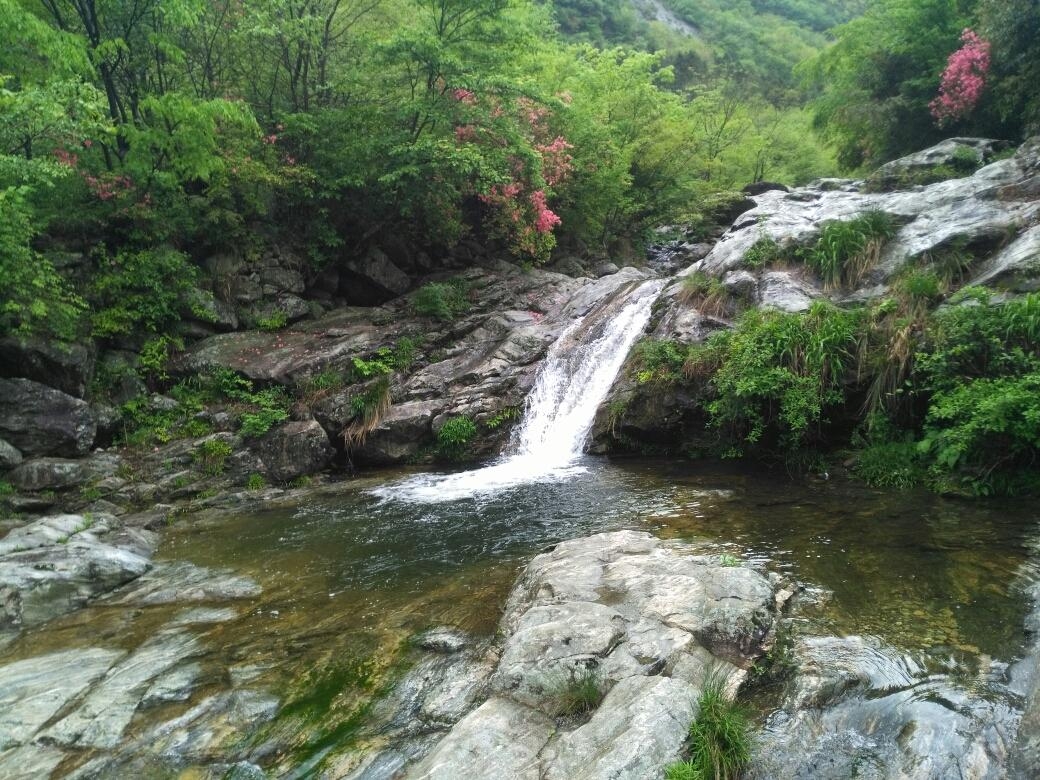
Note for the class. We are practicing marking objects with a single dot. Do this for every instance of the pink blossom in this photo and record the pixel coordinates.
(66, 158)
(464, 96)
(545, 220)
(87, 143)
(963, 80)
(465, 134)
(270, 139)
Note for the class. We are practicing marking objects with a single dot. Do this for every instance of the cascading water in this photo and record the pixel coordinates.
(573, 381)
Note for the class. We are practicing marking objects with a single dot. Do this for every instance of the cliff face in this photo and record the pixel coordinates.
(987, 220)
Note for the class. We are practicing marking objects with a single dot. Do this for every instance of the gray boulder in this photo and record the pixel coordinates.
(40, 420)
(67, 367)
(294, 449)
(9, 455)
(51, 474)
(58, 564)
(649, 619)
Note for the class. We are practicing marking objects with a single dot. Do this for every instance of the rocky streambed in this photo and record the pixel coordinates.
(345, 635)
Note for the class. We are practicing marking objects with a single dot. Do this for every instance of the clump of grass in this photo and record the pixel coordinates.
(576, 695)
(276, 321)
(847, 250)
(719, 740)
(707, 294)
(369, 407)
(256, 482)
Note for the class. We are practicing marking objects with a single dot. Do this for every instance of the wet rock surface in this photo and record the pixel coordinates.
(648, 619)
(40, 420)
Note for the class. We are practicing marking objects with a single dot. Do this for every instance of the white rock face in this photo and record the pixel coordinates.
(979, 211)
(650, 619)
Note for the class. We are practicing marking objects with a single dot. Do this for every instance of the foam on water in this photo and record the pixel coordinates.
(572, 382)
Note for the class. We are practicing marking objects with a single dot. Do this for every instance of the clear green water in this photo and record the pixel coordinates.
(348, 578)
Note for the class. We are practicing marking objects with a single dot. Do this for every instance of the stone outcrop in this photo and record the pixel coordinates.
(40, 420)
(293, 449)
(66, 367)
(649, 620)
(60, 563)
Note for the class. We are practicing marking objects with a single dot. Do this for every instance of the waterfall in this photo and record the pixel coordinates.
(572, 382)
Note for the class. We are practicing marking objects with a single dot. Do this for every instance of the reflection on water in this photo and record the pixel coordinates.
(349, 576)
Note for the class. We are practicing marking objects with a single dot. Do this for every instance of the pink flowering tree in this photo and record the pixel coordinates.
(963, 81)
(533, 159)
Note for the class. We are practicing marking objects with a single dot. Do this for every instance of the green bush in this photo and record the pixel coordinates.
(211, 456)
(441, 300)
(659, 360)
(763, 252)
(140, 291)
(719, 740)
(276, 321)
(256, 482)
(890, 465)
(454, 437)
(777, 373)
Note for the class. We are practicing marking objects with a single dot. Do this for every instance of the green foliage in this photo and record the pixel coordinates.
(501, 417)
(764, 252)
(707, 294)
(659, 360)
(454, 437)
(211, 456)
(256, 482)
(135, 291)
(847, 250)
(272, 408)
(34, 298)
(6, 489)
(442, 300)
(276, 321)
(890, 465)
(777, 374)
(719, 740)
(155, 354)
(578, 694)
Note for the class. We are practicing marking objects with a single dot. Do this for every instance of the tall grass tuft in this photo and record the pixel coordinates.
(720, 738)
(847, 251)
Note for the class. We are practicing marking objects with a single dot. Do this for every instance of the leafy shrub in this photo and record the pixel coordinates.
(257, 423)
(155, 354)
(777, 372)
(6, 489)
(984, 436)
(659, 360)
(920, 285)
(454, 437)
(706, 293)
(441, 300)
(256, 482)
(847, 250)
(719, 740)
(276, 321)
(576, 695)
(211, 455)
(136, 291)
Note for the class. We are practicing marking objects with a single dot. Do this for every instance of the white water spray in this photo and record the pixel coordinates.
(571, 384)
